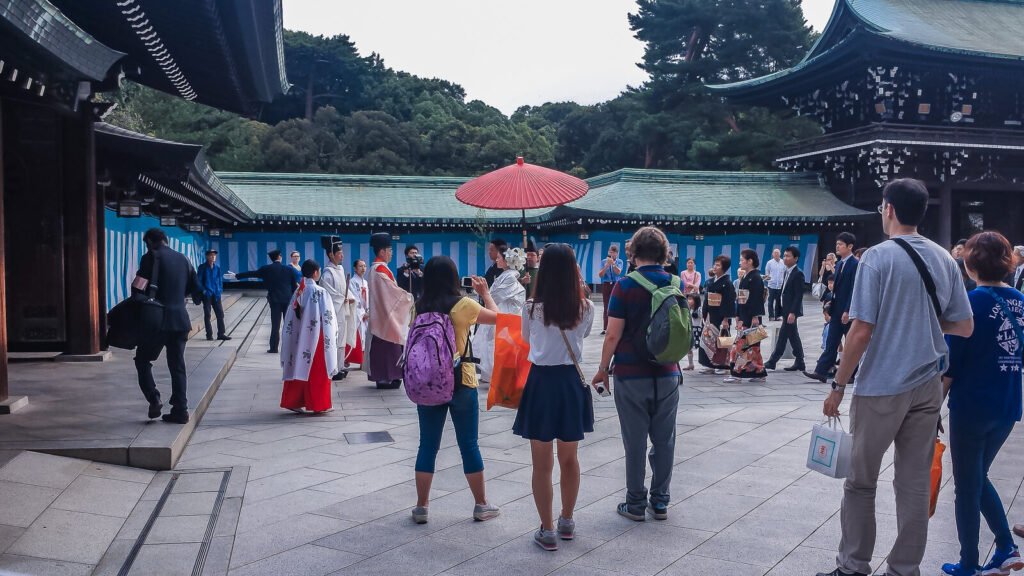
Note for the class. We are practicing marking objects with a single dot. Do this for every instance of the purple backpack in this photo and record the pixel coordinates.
(430, 359)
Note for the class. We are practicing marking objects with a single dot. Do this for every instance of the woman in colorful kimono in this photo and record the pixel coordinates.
(719, 310)
(510, 297)
(309, 328)
(746, 355)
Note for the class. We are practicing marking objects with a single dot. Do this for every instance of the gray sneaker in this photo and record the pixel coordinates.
(484, 512)
(546, 539)
(566, 528)
(419, 514)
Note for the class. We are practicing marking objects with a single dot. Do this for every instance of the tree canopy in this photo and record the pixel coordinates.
(348, 113)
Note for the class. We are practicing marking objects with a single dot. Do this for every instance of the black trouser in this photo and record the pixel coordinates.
(788, 333)
(276, 313)
(148, 351)
(774, 303)
(213, 302)
(827, 360)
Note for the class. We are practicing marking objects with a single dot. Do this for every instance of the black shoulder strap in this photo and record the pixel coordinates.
(929, 283)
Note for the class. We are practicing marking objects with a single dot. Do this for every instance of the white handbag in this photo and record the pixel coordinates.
(818, 290)
(831, 449)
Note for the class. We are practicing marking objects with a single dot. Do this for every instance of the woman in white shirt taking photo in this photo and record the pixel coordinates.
(556, 403)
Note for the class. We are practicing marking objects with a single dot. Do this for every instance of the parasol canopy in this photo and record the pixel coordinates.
(521, 186)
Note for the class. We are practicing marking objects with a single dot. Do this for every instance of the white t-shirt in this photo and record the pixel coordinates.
(907, 347)
(546, 345)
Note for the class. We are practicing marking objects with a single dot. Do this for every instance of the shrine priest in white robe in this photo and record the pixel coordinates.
(334, 282)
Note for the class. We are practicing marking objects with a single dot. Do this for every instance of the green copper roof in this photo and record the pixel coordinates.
(989, 29)
(657, 195)
(358, 198)
(672, 195)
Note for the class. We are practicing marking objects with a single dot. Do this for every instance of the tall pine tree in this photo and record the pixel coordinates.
(690, 43)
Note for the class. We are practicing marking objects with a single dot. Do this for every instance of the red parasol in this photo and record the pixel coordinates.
(521, 186)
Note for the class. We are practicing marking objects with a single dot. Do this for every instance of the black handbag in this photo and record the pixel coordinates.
(138, 315)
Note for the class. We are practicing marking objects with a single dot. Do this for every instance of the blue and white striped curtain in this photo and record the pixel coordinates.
(125, 248)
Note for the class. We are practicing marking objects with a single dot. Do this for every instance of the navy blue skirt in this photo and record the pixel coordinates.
(555, 405)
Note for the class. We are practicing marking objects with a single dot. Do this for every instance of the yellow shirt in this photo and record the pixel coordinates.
(464, 315)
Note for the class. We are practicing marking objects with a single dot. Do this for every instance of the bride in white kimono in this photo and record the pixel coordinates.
(510, 297)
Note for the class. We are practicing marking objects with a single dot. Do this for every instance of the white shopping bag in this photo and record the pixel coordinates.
(831, 449)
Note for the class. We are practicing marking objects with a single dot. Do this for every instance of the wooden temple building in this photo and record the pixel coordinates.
(61, 169)
(929, 89)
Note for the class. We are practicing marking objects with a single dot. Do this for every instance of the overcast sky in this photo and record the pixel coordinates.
(507, 54)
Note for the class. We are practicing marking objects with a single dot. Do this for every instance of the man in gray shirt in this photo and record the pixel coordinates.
(897, 339)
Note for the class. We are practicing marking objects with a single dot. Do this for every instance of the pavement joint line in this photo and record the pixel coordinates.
(126, 567)
(211, 526)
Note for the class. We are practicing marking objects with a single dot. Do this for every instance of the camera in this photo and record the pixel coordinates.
(414, 261)
(467, 282)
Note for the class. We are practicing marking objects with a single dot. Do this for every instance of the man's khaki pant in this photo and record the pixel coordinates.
(909, 421)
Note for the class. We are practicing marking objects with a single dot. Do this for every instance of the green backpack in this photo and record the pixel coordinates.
(667, 336)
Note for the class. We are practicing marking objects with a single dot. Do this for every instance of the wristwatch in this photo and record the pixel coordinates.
(837, 385)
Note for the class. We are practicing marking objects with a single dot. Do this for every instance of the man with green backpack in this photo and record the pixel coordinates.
(648, 334)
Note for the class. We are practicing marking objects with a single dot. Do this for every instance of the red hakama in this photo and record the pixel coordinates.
(313, 394)
(354, 354)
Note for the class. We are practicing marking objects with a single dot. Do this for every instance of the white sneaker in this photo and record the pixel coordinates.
(729, 379)
(484, 512)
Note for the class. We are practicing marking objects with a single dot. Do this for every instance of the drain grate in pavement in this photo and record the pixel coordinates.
(198, 494)
(368, 437)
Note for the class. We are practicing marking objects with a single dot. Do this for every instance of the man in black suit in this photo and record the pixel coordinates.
(175, 278)
(792, 308)
(281, 282)
(839, 314)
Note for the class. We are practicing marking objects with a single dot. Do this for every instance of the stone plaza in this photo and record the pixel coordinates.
(262, 491)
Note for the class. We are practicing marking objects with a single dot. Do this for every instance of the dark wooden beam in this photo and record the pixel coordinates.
(4, 391)
(81, 236)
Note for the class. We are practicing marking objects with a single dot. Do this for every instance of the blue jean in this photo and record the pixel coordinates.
(466, 418)
(973, 445)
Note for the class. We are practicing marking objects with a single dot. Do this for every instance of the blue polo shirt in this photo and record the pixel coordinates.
(610, 275)
(986, 367)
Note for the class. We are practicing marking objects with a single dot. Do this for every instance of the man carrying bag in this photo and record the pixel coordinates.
(907, 294)
(165, 278)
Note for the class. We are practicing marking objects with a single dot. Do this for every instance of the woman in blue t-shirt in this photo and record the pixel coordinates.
(984, 387)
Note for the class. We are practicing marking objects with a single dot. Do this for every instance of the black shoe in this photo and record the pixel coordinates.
(271, 351)
(816, 376)
(795, 368)
(154, 409)
(208, 337)
(176, 417)
(838, 572)
(393, 385)
(223, 337)
(769, 365)
(340, 375)
(603, 332)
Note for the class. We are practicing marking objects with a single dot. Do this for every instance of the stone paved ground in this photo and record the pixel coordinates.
(315, 501)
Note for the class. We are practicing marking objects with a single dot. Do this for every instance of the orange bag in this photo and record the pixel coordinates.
(511, 363)
(936, 475)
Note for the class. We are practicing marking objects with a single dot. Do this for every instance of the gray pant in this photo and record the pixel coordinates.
(647, 408)
(909, 420)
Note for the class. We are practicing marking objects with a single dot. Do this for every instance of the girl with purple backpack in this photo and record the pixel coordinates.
(556, 402)
(442, 295)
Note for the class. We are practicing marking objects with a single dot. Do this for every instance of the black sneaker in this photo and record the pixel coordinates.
(155, 408)
(816, 376)
(658, 510)
(634, 515)
(175, 417)
(838, 572)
